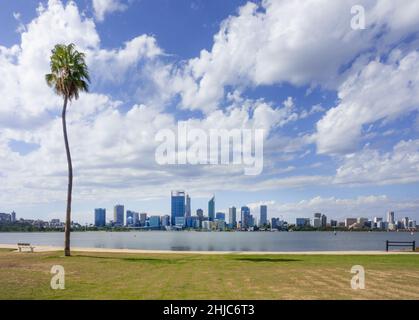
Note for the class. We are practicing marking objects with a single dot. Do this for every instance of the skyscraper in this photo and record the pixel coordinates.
(200, 213)
(263, 215)
(13, 216)
(118, 214)
(178, 206)
(188, 206)
(245, 217)
(211, 209)
(130, 218)
(143, 219)
(324, 221)
(390, 217)
(100, 217)
(136, 220)
(232, 218)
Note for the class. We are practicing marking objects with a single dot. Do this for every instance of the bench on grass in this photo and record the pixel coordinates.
(401, 244)
(25, 246)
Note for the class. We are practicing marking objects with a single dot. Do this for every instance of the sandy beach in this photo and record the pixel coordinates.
(110, 250)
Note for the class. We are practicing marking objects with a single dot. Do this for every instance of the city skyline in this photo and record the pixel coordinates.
(182, 217)
(254, 209)
(330, 145)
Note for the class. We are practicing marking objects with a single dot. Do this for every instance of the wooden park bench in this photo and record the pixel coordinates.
(401, 244)
(25, 246)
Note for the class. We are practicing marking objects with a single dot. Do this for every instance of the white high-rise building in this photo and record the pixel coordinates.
(232, 217)
(390, 217)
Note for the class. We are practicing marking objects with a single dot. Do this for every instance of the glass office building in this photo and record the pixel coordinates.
(100, 217)
(178, 206)
(118, 215)
(211, 209)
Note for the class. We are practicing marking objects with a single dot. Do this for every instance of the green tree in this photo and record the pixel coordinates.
(69, 76)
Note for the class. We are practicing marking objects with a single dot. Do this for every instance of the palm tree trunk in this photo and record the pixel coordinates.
(70, 183)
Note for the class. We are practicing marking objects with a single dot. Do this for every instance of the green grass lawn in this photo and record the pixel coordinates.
(188, 276)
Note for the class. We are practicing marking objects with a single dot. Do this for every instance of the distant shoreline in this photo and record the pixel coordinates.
(205, 231)
(139, 251)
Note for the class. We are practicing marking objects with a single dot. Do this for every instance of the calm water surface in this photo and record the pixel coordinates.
(217, 241)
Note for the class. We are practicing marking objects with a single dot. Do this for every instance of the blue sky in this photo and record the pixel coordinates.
(340, 106)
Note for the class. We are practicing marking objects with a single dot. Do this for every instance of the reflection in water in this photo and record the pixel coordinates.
(216, 241)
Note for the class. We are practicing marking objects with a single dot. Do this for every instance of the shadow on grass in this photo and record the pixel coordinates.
(264, 259)
(135, 259)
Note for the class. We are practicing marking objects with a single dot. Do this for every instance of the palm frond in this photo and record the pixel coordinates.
(69, 72)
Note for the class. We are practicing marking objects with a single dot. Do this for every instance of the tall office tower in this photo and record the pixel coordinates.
(232, 218)
(245, 217)
(143, 219)
(100, 217)
(200, 213)
(129, 218)
(118, 215)
(13, 217)
(263, 215)
(390, 217)
(406, 223)
(188, 206)
(165, 220)
(324, 221)
(136, 220)
(318, 215)
(178, 206)
(211, 209)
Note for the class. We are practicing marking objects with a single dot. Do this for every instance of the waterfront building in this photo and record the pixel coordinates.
(323, 221)
(143, 219)
(118, 215)
(333, 223)
(350, 221)
(136, 219)
(220, 216)
(180, 222)
(211, 209)
(275, 223)
(263, 215)
(154, 222)
(302, 222)
(100, 217)
(129, 218)
(188, 206)
(317, 223)
(13, 217)
(232, 219)
(177, 206)
(206, 225)
(220, 225)
(245, 217)
(200, 213)
(406, 223)
(192, 222)
(390, 217)
(165, 220)
(362, 221)
(5, 218)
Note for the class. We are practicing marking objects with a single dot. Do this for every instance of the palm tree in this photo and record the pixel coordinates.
(69, 76)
